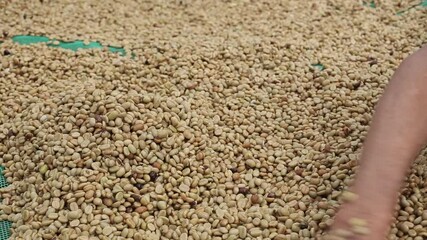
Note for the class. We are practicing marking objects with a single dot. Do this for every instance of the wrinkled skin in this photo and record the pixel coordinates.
(397, 134)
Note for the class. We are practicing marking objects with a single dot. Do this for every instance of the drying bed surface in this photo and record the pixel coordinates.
(217, 126)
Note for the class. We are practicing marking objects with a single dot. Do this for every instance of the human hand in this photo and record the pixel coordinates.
(352, 224)
(397, 134)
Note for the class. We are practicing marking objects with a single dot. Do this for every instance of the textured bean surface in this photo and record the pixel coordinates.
(221, 126)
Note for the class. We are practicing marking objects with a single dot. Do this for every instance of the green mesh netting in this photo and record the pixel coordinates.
(62, 44)
(5, 230)
(3, 182)
(4, 225)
